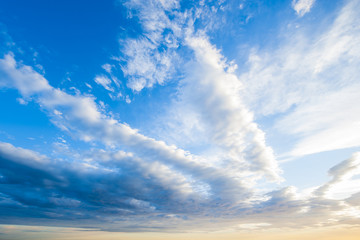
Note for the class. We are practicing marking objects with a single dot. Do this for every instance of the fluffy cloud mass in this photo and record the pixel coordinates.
(302, 6)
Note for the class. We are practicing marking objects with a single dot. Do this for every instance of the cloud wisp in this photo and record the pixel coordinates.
(302, 7)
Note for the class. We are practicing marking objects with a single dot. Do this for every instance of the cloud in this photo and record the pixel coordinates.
(327, 129)
(150, 59)
(208, 87)
(214, 90)
(302, 6)
(107, 67)
(54, 184)
(354, 199)
(25, 79)
(156, 55)
(80, 117)
(146, 65)
(342, 174)
(117, 181)
(153, 16)
(104, 81)
(117, 191)
(309, 84)
(152, 178)
(99, 191)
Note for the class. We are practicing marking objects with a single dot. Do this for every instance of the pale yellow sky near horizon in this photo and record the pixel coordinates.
(12, 232)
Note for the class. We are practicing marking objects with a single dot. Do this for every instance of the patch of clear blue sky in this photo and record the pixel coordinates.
(312, 170)
(69, 36)
(71, 40)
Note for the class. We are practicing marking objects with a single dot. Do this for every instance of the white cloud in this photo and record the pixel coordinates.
(309, 85)
(81, 117)
(209, 85)
(104, 81)
(25, 79)
(145, 64)
(302, 6)
(107, 67)
(214, 91)
(22, 101)
(153, 17)
(136, 84)
(127, 100)
(342, 185)
(151, 58)
(23, 156)
(327, 127)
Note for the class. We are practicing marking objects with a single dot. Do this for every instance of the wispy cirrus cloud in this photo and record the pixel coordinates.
(104, 81)
(311, 83)
(151, 58)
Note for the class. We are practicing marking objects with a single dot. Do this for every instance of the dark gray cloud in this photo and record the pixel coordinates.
(116, 191)
(111, 186)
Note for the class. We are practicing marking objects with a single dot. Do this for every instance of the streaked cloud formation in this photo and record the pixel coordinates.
(314, 82)
(196, 157)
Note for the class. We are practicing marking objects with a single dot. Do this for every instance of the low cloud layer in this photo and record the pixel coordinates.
(116, 190)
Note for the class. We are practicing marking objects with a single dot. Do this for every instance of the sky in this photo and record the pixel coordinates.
(170, 119)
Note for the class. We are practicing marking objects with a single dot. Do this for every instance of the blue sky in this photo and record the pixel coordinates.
(179, 115)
